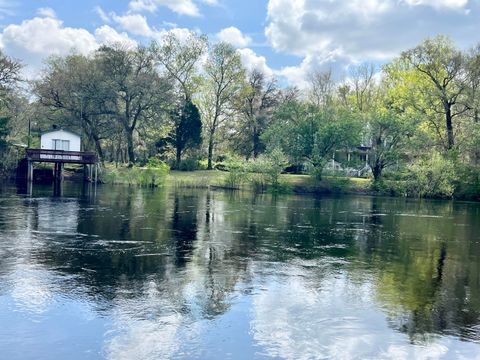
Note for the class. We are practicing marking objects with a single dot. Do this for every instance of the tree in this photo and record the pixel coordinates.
(224, 81)
(180, 59)
(321, 88)
(140, 92)
(441, 65)
(74, 90)
(389, 133)
(9, 71)
(309, 134)
(187, 132)
(256, 110)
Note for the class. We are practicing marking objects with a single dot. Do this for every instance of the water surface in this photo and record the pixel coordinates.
(125, 273)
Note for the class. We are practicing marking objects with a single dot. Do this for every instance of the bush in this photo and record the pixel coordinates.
(468, 185)
(152, 175)
(339, 184)
(268, 169)
(433, 177)
(235, 178)
(190, 164)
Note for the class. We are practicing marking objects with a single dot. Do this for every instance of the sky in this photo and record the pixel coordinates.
(286, 38)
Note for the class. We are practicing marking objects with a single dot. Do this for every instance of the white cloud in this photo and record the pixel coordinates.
(102, 14)
(135, 24)
(334, 34)
(107, 35)
(46, 12)
(183, 7)
(35, 39)
(252, 61)
(47, 36)
(234, 36)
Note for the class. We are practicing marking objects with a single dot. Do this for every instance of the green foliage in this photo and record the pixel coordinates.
(189, 164)
(187, 131)
(268, 169)
(150, 176)
(468, 182)
(236, 177)
(434, 176)
(306, 133)
(338, 184)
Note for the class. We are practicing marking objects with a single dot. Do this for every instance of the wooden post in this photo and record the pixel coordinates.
(29, 171)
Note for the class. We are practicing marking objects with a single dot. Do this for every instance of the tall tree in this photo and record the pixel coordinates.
(256, 110)
(224, 81)
(441, 65)
(139, 91)
(180, 59)
(321, 88)
(75, 92)
(187, 132)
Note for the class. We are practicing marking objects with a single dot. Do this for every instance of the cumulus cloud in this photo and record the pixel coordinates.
(135, 24)
(107, 35)
(35, 39)
(234, 36)
(252, 61)
(47, 36)
(349, 31)
(46, 12)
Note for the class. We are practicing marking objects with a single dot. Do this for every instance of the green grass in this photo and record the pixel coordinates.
(196, 179)
(298, 183)
(203, 179)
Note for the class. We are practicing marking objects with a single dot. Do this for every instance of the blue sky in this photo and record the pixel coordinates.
(288, 38)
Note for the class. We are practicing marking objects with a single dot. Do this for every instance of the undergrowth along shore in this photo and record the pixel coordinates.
(258, 182)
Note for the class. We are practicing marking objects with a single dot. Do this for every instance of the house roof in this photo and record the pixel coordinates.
(57, 130)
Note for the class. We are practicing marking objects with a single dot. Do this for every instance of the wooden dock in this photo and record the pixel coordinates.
(60, 157)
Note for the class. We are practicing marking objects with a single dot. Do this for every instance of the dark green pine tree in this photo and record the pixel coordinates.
(188, 130)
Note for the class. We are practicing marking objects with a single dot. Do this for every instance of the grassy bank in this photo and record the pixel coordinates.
(256, 182)
(301, 184)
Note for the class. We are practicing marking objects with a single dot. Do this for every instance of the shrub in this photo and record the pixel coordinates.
(432, 177)
(152, 175)
(235, 178)
(190, 164)
(269, 169)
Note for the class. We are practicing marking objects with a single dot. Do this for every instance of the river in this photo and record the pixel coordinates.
(127, 273)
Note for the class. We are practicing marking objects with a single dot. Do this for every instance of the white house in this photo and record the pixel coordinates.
(60, 140)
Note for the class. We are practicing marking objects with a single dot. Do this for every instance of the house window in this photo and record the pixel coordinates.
(58, 144)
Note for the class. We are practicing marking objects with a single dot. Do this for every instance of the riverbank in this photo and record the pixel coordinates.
(303, 184)
(299, 184)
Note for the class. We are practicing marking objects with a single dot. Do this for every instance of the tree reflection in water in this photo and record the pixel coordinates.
(182, 273)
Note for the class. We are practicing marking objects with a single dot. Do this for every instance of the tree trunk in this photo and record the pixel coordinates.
(256, 143)
(131, 154)
(377, 171)
(210, 150)
(449, 125)
(178, 157)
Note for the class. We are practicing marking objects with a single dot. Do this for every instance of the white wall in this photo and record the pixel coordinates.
(46, 139)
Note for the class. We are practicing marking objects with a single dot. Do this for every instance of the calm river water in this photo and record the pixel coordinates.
(194, 274)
